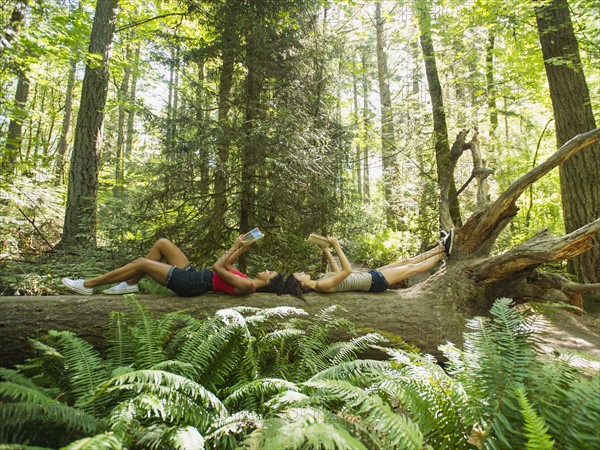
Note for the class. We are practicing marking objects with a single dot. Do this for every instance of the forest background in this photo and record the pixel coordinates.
(202, 119)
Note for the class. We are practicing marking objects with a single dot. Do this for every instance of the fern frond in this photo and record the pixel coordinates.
(215, 350)
(437, 403)
(107, 441)
(348, 350)
(253, 395)
(85, 368)
(177, 438)
(394, 429)
(573, 411)
(268, 317)
(121, 347)
(226, 433)
(279, 434)
(358, 372)
(36, 420)
(164, 395)
(534, 425)
(14, 392)
(148, 340)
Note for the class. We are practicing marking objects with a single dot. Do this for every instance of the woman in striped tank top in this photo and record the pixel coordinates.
(344, 279)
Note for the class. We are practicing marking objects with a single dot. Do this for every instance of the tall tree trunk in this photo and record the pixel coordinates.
(201, 107)
(66, 123)
(228, 54)
(579, 180)
(449, 206)
(366, 119)
(490, 82)
(250, 151)
(135, 72)
(15, 126)
(123, 97)
(80, 216)
(359, 141)
(388, 137)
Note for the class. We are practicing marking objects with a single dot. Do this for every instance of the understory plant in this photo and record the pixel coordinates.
(276, 378)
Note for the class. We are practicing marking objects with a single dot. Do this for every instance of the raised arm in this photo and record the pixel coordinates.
(327, 285)
(330, 259)
(224, 265)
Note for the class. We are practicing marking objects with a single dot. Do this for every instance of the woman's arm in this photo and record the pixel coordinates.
(327, 285)
(224, 265)
(330, 259)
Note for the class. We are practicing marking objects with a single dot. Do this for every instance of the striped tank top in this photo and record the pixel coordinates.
(356, 281)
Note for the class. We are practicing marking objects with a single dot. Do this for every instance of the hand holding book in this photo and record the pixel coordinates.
(318, 239)
(252, 236)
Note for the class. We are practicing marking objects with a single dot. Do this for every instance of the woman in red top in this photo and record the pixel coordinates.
(178, 274)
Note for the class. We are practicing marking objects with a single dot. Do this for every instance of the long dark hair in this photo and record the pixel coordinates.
(274, 286)
(293, 287)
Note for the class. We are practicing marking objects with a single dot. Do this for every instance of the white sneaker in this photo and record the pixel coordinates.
(122, 288)
(77, 286)
(447, 240)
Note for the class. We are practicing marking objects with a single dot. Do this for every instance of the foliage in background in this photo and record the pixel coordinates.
(315, 125)
(275, 379)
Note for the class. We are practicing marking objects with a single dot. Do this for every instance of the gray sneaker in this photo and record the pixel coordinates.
(122, 288)
(77, 286)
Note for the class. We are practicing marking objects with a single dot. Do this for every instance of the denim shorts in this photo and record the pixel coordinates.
(189, 282)
(379, 283)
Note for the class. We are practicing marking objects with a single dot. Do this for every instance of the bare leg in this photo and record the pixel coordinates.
(151, 266)
(432, 253)
(395, 274)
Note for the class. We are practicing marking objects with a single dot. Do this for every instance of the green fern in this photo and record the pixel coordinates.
(301, 429)
(227, 432)
(253, 395)
(535, 426)
(84, 369)
(121, 347)
(148, 339)
(107, 441)
(395, 430)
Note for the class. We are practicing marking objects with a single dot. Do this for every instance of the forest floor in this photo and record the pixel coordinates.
(572, 337)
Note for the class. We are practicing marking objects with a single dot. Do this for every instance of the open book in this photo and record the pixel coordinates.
(318, 239)
(253, 235)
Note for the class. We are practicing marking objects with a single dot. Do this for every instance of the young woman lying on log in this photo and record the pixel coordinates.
(378, 280)
(179, 275)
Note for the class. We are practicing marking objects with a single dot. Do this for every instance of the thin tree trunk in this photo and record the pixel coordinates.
(123, 97)
(79, 229)
(388, 138)
(490, 82)
(66, 123)
(366, 119)
(449, 206)
(15, 126)
(228, 53)
(579, 180)
(131, 109)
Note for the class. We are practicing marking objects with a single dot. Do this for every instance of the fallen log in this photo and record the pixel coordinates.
(392, 313)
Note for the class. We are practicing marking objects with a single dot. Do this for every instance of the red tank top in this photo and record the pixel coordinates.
(218, 285)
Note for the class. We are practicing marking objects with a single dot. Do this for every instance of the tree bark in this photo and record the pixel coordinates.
(15, 127)
(79, 230)
(66, 123)
(579, 180)
(388, 134)
(449, 206)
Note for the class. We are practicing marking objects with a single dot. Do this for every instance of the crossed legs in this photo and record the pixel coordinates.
(401, 270)
(151, 265)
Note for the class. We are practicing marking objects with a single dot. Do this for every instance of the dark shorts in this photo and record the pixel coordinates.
(379, 283)
(189, 282)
